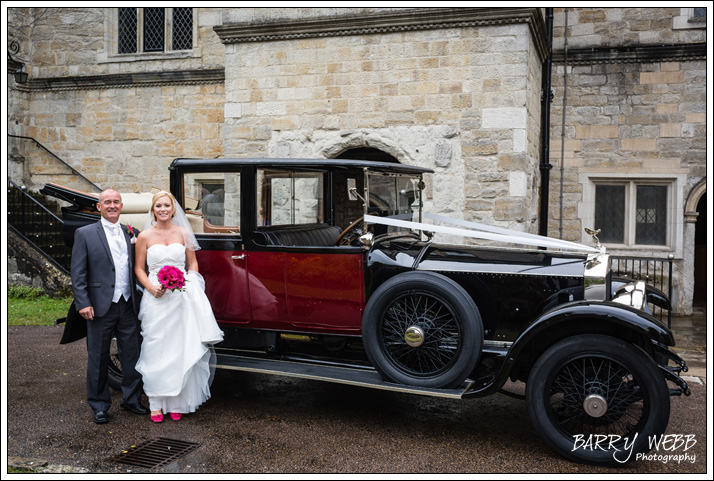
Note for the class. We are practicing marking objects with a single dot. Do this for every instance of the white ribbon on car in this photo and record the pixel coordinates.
(480, 231)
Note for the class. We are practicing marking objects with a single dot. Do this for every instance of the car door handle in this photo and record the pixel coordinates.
(238, 258)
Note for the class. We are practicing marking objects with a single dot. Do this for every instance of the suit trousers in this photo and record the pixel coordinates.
(120, 322)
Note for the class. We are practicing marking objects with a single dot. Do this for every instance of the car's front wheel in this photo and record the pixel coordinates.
(422, 329)
(597, 399)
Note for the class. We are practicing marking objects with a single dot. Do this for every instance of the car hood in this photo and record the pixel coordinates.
(411, 253)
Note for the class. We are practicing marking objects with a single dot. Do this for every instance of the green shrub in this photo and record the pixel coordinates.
(25, 292)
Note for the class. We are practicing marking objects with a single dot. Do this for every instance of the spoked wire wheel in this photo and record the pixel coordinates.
(421, 334)
(597, 399)
(115, 373)
(596, 395)
(422, 329)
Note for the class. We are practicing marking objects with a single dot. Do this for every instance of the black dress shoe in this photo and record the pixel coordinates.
(100, 417)
(135, 408)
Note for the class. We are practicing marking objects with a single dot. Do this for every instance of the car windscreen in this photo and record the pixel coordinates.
(394, 196)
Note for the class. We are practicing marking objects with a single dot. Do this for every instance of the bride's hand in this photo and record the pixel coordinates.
(157, 291)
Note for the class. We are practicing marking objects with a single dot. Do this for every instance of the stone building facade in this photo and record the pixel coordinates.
(455, 90)
(635, 122)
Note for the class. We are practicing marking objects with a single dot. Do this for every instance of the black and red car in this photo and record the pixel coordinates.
(330, 270)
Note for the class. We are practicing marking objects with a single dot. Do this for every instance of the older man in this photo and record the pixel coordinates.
(105, 295)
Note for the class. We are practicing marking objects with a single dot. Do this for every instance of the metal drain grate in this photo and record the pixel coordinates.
(155, 453)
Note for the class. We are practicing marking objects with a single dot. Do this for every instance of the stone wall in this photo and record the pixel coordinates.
(614, 27)
(636, 108)
(462, 99)
(458, 100)
(125, 137)
(69, 42)
(119, 120)
(628, 118)
(28, 267)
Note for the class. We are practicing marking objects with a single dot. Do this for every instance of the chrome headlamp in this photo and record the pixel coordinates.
(632, 294)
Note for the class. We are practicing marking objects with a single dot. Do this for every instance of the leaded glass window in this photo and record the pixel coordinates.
(147, 29)
(610, 213)
(651, 215)
(127, 30)
(632, 212)
(182, 32)
(153, 29)
(699, 13)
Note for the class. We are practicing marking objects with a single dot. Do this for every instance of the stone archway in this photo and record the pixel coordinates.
(699, 298)
(363, 146)
(367, 153)
(695, 261)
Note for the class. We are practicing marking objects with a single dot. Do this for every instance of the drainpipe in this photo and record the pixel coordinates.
(545, 100)
(565, 103)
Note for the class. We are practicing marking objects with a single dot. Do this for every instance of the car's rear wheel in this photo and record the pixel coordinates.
(422, 329)
(596, 399)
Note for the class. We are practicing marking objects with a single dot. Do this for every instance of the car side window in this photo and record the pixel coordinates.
(287, 197)
(212, 202)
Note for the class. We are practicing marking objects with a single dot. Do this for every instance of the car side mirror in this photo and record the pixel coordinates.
(352, 191)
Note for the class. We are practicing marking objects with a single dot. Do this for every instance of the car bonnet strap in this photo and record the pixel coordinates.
(480, 231)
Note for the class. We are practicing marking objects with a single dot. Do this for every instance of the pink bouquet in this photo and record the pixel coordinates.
(171, 278)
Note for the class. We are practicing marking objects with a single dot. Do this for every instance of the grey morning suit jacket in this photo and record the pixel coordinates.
(93, 270)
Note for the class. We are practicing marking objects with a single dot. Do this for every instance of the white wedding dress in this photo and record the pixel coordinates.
(177, 329)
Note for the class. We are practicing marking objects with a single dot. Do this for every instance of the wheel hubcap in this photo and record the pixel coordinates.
(421, 335)
(414, 336)
(595, 405)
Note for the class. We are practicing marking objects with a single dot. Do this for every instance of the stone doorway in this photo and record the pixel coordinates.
(367, 153)
(700, 255)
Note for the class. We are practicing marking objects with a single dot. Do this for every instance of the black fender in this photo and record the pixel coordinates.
(658, 298)
(576, 318)
(598, 312)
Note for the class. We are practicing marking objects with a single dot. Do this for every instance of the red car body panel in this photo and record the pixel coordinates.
(325, 291)
(226, 285)
(285, 290)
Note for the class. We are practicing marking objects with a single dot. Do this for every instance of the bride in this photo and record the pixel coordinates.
(177, 325)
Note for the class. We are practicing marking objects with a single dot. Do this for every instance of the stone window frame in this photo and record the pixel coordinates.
(686, 19)
(111, 40)
(675, 209)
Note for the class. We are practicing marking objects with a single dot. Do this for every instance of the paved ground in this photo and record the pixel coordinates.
(262, 424)
(690, 335)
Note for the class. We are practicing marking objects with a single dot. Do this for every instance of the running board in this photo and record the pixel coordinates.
(343, 375)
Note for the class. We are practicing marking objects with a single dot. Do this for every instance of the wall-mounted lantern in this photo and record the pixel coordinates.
(15, 66)
(20, 75)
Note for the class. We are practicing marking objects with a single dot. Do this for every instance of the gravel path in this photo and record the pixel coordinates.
(268, 424)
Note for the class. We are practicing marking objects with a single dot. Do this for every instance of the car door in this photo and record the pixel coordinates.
(213, 205)
(325, 289)
(298, 278)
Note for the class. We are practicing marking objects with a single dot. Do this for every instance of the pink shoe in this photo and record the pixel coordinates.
(157, 418)
(176, 416)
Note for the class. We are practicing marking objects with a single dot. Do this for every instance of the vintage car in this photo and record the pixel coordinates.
(330, 270)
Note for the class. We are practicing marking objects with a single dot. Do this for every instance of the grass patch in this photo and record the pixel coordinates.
(30, 306)
(14, 470)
